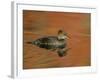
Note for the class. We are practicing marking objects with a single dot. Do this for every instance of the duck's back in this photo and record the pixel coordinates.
(46, 42)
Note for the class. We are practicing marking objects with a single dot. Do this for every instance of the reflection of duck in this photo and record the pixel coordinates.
(53, 43)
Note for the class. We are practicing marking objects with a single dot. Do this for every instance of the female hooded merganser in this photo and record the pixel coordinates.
(53, 43)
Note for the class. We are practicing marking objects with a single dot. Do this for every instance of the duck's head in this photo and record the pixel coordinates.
(62, 35)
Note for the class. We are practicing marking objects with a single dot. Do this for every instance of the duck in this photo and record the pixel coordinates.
(54, 43)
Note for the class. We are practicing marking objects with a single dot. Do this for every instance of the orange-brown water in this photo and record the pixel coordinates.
(37, 24)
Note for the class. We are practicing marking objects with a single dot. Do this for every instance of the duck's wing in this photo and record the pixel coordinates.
(45, 42)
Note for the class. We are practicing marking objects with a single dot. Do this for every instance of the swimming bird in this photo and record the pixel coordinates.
(54, 43)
